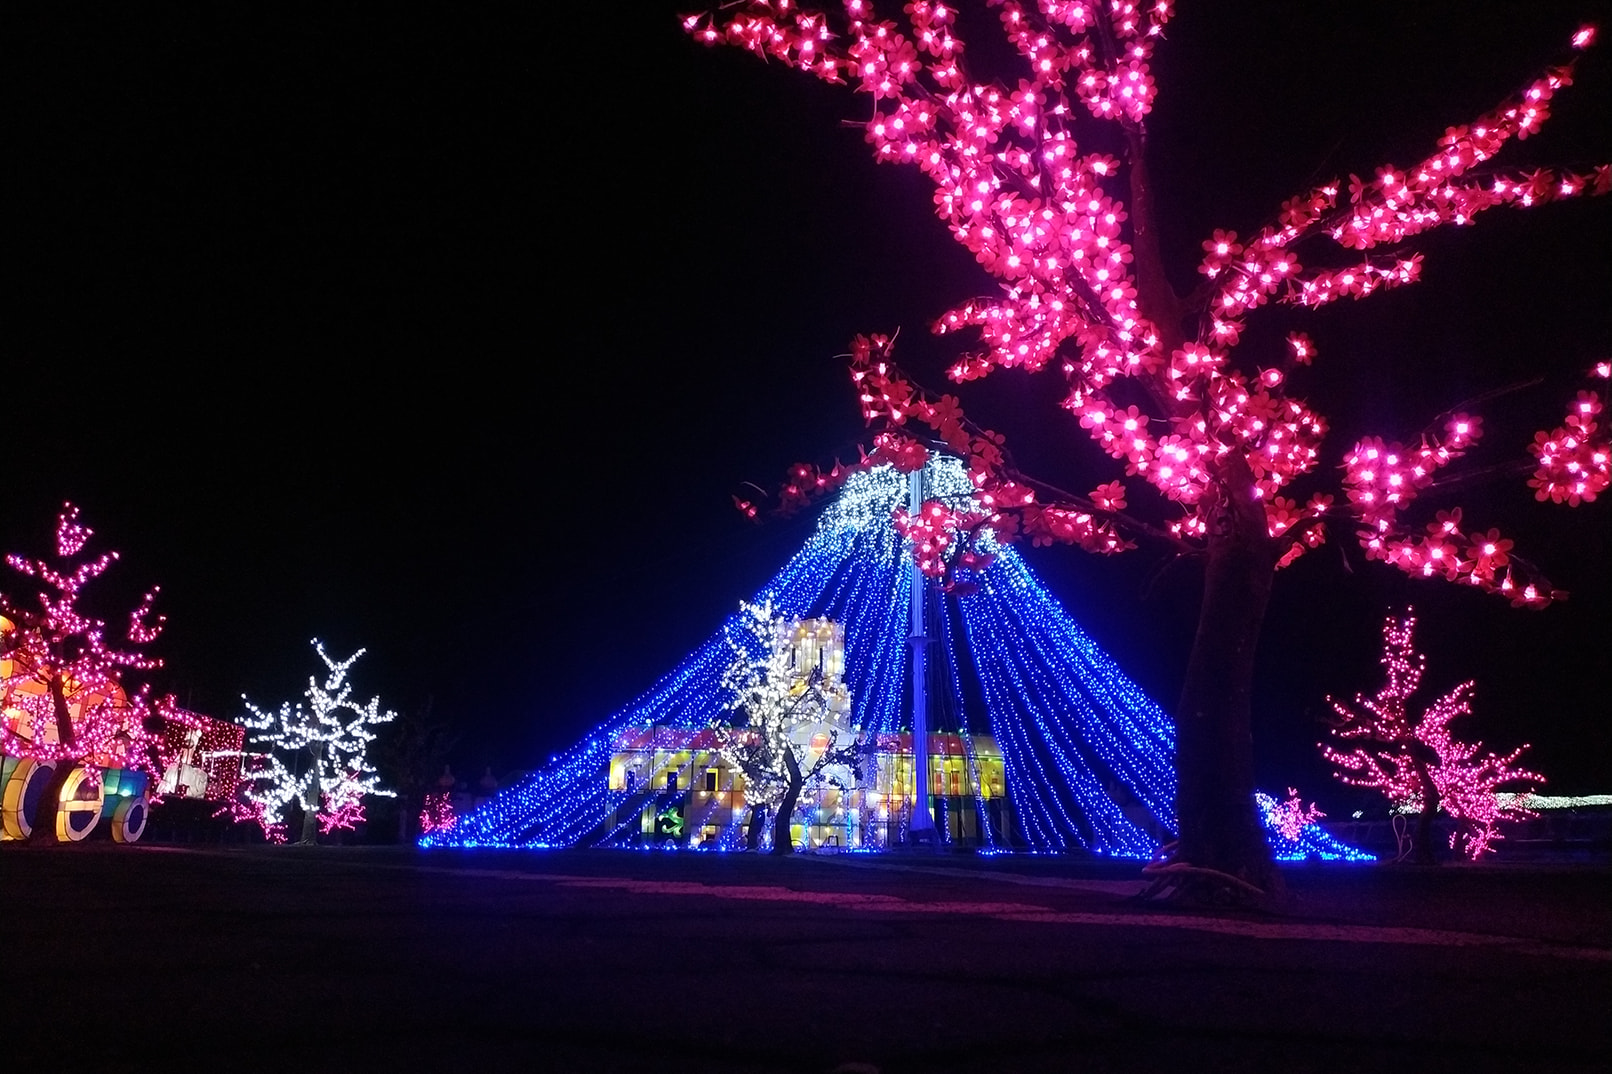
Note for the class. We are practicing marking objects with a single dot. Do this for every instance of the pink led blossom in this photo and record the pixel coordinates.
(343, 805)
(1290, 817)
(437, 815)
(1575, 459)
(1047, 218)
(247, 811)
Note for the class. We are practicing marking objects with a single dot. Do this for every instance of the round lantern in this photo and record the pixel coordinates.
(24, 788)
(78, 809)
(129, 819)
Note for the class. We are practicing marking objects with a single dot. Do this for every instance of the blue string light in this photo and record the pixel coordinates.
(1311, 843)
(1088, 757)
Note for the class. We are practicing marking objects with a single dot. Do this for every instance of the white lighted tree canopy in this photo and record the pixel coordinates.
(787, 732)
(315, 757)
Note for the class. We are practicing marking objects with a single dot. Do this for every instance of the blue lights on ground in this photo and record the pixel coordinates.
(1088, 756)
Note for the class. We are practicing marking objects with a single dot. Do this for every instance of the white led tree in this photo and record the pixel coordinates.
(314, 755)
(790, 742)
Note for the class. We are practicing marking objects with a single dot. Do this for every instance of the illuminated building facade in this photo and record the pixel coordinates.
(658, 773)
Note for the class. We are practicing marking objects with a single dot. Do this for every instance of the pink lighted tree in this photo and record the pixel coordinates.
(1291, 816)
(1417, 763)
(437, 814)
(1043, 173)
(69, 692)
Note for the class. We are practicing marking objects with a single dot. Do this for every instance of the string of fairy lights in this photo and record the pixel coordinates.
(954, 681)
(1087, 756)
(1129, 729)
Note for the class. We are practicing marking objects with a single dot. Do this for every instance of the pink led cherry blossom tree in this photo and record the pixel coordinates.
(1291, 816)
(68, 692)
(1417, 763)
(1042, 173)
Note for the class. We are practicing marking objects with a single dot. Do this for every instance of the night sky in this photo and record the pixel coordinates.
(451, 334)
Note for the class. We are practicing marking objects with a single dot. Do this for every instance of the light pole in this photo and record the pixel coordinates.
(922, 827)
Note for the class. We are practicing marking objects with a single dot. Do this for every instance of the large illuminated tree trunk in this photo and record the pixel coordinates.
(1219, 831)
(43, 820)
(310, 797)
(1424, 822)
(782, 840)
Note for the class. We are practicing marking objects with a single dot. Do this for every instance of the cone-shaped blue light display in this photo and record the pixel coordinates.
(1088, 757)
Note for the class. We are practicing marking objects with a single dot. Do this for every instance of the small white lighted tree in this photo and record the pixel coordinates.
(313, 755)
(796, 736)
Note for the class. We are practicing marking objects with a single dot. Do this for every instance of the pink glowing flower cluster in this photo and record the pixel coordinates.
(1291, 816)
(243, 810)
(65, 689)
(343, 805)
(1415, 760)
(1082, 287)
(437, 814)
(1573, 458)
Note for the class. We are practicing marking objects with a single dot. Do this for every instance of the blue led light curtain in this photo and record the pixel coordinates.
(1088, 756)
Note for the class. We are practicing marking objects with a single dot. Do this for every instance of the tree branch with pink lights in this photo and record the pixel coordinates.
(1418, 763)
(1041, 170)
(70, 692)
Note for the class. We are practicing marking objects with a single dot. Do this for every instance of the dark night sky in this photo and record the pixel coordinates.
(450, 333)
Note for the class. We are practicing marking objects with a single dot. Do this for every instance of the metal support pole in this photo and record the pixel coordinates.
(922, 827)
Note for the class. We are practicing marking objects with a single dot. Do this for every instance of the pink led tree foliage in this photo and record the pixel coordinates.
(437, 814)
(1291, 816)
(1418, 763)
(1042, 173)
(69, 692)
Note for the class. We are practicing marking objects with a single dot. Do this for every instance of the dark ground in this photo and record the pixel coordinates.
(391, 959)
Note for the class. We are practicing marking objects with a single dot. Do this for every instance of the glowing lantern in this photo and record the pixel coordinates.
(25, 780)
(124, 803)
(129, 819)
(78, 809)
